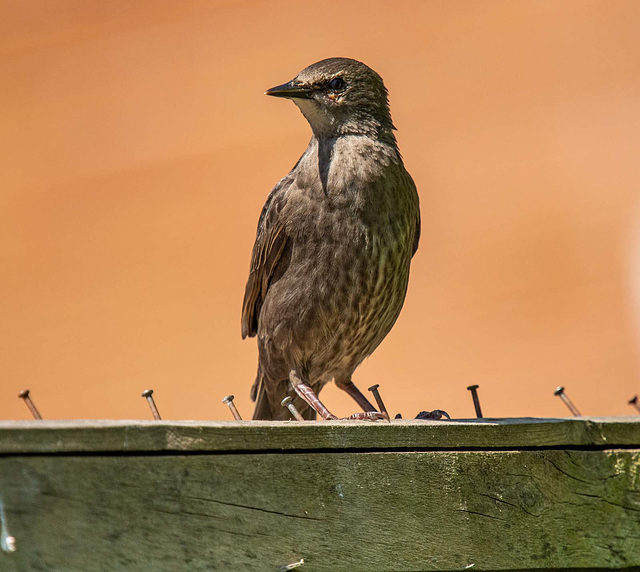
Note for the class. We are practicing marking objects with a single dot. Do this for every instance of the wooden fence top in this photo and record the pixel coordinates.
(483, 494)
(96, 436)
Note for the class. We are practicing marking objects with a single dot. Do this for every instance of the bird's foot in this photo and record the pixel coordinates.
(435, 414)
(367, 416)
(306, 393)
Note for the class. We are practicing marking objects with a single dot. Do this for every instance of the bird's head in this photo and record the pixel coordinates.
(340, 96)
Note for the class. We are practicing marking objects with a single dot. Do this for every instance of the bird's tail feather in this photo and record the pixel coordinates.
(259, 395)
(268, 405)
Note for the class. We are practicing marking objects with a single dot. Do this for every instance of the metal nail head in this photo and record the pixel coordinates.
(374, 389)
(476, 401)
(565, 398)
(24, 395)
(148, 395)
(634, 402)
(228, 400)
(288, 403)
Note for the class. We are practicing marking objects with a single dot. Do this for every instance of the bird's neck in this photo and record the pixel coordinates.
(347, 164)
(355, 148)
(378, 129)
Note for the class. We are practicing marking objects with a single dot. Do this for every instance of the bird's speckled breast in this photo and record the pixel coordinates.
(353, 230)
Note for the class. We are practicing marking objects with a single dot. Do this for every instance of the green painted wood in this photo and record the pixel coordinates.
(515, 494)
(497, 510)
(133, 436)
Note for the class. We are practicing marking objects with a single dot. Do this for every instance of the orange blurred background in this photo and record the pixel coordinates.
(138, 149)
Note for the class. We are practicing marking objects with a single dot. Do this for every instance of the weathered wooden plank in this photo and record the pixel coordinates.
(497, 510)
(133, 436)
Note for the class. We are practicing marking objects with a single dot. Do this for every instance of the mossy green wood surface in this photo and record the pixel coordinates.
(130, 436)
(546, 507)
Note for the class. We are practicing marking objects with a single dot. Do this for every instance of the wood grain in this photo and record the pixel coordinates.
(344, 511)
(486, 434)
(516, 494)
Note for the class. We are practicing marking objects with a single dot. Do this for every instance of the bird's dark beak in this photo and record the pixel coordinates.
(290, 90)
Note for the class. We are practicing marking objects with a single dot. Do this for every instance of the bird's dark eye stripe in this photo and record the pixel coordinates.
(336, 83)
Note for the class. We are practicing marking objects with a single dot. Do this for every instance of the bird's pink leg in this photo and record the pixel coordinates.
(350, 387)
(305, 392)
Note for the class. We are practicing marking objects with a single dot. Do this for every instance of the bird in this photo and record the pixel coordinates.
(330, 265)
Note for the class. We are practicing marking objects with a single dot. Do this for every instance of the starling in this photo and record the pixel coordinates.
(330, 263)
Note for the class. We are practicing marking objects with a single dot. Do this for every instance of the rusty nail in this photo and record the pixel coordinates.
(634, 402)
(288, 403)
(24, 395)
(562, 395)
(228, 400)
(374, 389)
(476, 401)
(148, 395)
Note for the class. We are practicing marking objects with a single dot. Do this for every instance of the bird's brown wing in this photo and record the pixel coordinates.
(416, 240)
(266, 259)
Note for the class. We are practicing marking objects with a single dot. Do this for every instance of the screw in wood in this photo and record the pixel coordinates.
(288, 403)
(374, 389)
(476, 401)
(148, 395)
(228, 400)
(634, 402)
(24, 395)
(562, 395)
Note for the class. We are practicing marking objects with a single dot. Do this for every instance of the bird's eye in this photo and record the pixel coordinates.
(336, 83)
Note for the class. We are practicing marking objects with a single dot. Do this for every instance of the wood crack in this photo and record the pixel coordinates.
(249, 507)
(520, 507)
(479, 514)
(566, 472)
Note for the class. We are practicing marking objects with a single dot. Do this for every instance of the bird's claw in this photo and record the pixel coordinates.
(435, 414)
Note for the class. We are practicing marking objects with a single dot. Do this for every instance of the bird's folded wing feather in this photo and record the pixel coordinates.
(416, 240)
(271, 241)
